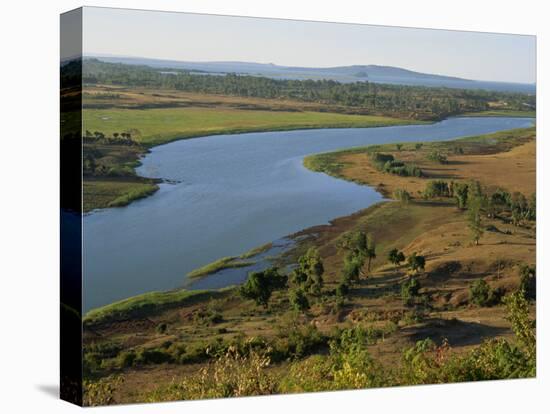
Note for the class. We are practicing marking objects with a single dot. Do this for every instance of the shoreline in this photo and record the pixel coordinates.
(304, 234)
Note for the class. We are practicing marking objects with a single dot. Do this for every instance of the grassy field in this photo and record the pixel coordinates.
(503, 112)
(217, 265)
(112, 193)
(171, 338)
(496, 160)
(157, 126)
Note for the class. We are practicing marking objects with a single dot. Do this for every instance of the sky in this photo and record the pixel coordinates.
(196, 37)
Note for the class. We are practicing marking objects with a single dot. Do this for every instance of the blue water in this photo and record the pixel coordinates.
(232, 193)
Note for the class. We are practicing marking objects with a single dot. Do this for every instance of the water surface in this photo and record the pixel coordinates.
(231, 193)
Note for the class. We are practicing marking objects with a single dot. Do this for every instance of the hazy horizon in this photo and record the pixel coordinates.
(161, 35)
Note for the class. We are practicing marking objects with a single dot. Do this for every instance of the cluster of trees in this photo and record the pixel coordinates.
(471, 197)
(387, 163)
(359, 247)
(117, 138)
(260, 285)
(306, 278)
(437, 156)
(413, 101)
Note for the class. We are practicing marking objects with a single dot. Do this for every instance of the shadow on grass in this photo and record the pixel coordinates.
(457, 332)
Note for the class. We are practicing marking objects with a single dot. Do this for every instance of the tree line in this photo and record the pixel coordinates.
(400, 100)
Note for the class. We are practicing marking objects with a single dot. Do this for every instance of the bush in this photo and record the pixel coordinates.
(298, 299)
(437, 188)
(161, 328)
(439, 157)
(482, 295)
(479, 292)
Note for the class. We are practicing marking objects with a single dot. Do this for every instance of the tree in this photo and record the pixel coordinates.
(260, 285)
(399, 146)
(352, 268)
(528, 282)
(396, 257)
(480, 292)
(310, 271)
(460, 191)
(115, 135)
(409, 290)
(418, 145)
(298, 299)
(475, 204)
(371, 250)
(416, 262)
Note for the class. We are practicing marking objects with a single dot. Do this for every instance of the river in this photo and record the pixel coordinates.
(228, 194)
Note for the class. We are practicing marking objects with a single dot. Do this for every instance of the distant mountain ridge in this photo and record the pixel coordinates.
(352, 73)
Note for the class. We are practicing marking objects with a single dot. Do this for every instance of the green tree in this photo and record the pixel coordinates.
(528, 282)
(460, 191)
(396, 257)
(416, 262)
(523, 326)
(399, 146)
(311, 266)
(475, 204)
(298, 299)
(409, 290)
(480, 292)
(351, 271)
(260, 285)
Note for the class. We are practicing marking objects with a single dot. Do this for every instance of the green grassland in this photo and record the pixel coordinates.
(147, 303)
(157, 126)
(502, 112)
(111, 193)
(216, 266)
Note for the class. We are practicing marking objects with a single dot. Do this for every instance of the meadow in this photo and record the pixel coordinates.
(158, 126)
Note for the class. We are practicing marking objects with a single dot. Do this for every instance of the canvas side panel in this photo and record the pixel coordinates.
(71, 207)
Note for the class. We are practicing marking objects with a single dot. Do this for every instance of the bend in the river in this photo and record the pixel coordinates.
(232, 193)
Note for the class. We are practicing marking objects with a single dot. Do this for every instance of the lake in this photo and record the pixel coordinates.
(228, 194)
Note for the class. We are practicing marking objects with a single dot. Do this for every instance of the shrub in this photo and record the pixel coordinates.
(437, 188)
(298, 299)
(482, 295)
(231, 375)
(439, 157)
(402, 196)
(161, 328)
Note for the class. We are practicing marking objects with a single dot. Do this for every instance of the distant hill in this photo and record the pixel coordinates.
(353, 73)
